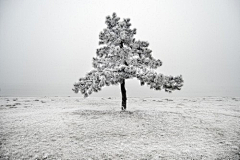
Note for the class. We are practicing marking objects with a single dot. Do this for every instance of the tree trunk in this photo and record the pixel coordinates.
(124, 96)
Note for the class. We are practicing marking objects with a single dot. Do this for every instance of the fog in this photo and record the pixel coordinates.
(46, 46)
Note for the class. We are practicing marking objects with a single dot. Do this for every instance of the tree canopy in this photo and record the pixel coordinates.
(122, 57)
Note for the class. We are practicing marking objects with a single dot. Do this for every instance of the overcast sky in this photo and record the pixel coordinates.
(46, 46)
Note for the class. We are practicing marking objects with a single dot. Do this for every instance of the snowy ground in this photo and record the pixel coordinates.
(94, 128)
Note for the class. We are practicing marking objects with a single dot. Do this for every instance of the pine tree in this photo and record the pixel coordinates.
(122, 57)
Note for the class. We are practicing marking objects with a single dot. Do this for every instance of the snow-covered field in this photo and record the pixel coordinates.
(94, 128)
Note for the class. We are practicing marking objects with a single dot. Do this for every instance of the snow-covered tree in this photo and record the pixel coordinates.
(122, 57)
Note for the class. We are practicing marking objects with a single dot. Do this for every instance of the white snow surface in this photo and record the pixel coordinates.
(95, 128)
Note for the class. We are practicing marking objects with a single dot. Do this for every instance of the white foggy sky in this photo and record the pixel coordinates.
(45, 46)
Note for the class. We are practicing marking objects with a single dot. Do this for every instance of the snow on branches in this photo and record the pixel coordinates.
(121, 57)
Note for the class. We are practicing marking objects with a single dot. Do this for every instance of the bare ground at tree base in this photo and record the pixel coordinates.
(95, 128)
